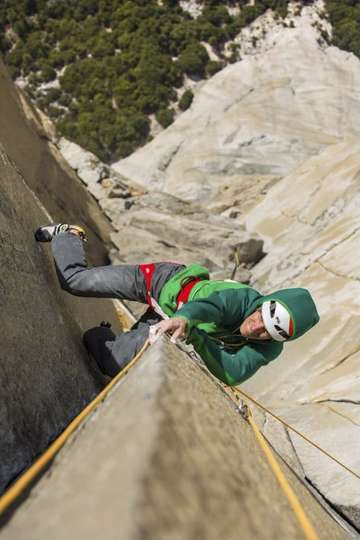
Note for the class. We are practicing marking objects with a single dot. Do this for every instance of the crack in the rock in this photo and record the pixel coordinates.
(339, 400)
(338, 274)
(168, 159)
(338, 412)
(334, 400)
(341, 361)
(288, 438)
(239, 100)
(316, 260)
(340, 241)
(287, 434)
(336, 511)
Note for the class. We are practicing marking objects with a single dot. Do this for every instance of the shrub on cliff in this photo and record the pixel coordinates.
(345, 19)
(186, 100)
(165, 117)
(193, 59)
(48, 74)
(213, 67)
(122, 59)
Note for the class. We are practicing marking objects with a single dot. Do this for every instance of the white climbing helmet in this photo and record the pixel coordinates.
(277, 320)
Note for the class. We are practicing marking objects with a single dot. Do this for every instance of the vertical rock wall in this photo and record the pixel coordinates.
(166, 456)
(45, 376)
(25, 138)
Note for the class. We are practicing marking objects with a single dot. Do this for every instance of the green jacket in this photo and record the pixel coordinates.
(216, 309)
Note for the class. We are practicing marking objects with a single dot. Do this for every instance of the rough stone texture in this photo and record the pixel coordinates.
(290, 111)
(100, 180)
(254, 122)
(88, 169)
(158, 226)
(312, 241)
(46, 377)
(165, 457)
(263, 116)
(27, 139)
(260, 35)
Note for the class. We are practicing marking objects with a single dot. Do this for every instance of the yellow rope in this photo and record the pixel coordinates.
(298, 510)
(288, 426)
(303, 520)
(18, 487)
(25, 479)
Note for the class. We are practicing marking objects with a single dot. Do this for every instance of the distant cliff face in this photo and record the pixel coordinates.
(275, 140)
(269, 148)
(262, 116)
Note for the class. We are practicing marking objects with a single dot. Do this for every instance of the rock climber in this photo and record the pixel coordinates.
(234, 328)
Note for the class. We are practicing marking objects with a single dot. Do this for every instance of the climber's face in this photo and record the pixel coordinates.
(253, 327)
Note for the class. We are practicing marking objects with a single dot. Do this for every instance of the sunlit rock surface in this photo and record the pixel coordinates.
(272, 144)
(165, 456)
(159, 226)
(261, 116)
(274, 141)
(310, 222)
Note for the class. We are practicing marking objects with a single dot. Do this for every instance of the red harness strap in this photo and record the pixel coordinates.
(148, 271)
(184, 294)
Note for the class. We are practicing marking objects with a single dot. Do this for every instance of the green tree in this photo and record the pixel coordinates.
(48, 74)
(52, 95)
(216, 15)
(186, 100)
(4, 43)
(125, 58)
(165, 117)
(15, 57)
(193, 59)
(213, 67)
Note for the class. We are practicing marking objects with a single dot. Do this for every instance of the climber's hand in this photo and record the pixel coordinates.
(176, 327)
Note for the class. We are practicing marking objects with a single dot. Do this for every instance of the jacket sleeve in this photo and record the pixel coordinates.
(224, 308)
(233, 367)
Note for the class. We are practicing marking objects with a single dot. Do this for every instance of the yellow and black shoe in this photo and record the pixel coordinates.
(47, 233)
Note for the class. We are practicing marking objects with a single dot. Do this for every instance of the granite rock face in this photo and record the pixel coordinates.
(165, 456)
(159, 226)
(274, 142)
(46, 377)
(28, 139)
(153, 225)
(312, 239)
(45, 374)
(261, 116)
(268, 151)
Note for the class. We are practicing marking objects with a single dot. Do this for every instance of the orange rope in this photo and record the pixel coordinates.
(314, 444)
(294, 502)
(27, 477)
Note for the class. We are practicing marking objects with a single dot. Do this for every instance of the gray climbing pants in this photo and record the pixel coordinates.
(125, 282)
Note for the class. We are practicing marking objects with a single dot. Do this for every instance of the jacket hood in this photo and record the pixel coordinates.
(300, 305)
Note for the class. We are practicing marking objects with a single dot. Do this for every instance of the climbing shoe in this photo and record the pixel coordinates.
(47, 233)
(105, 324)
